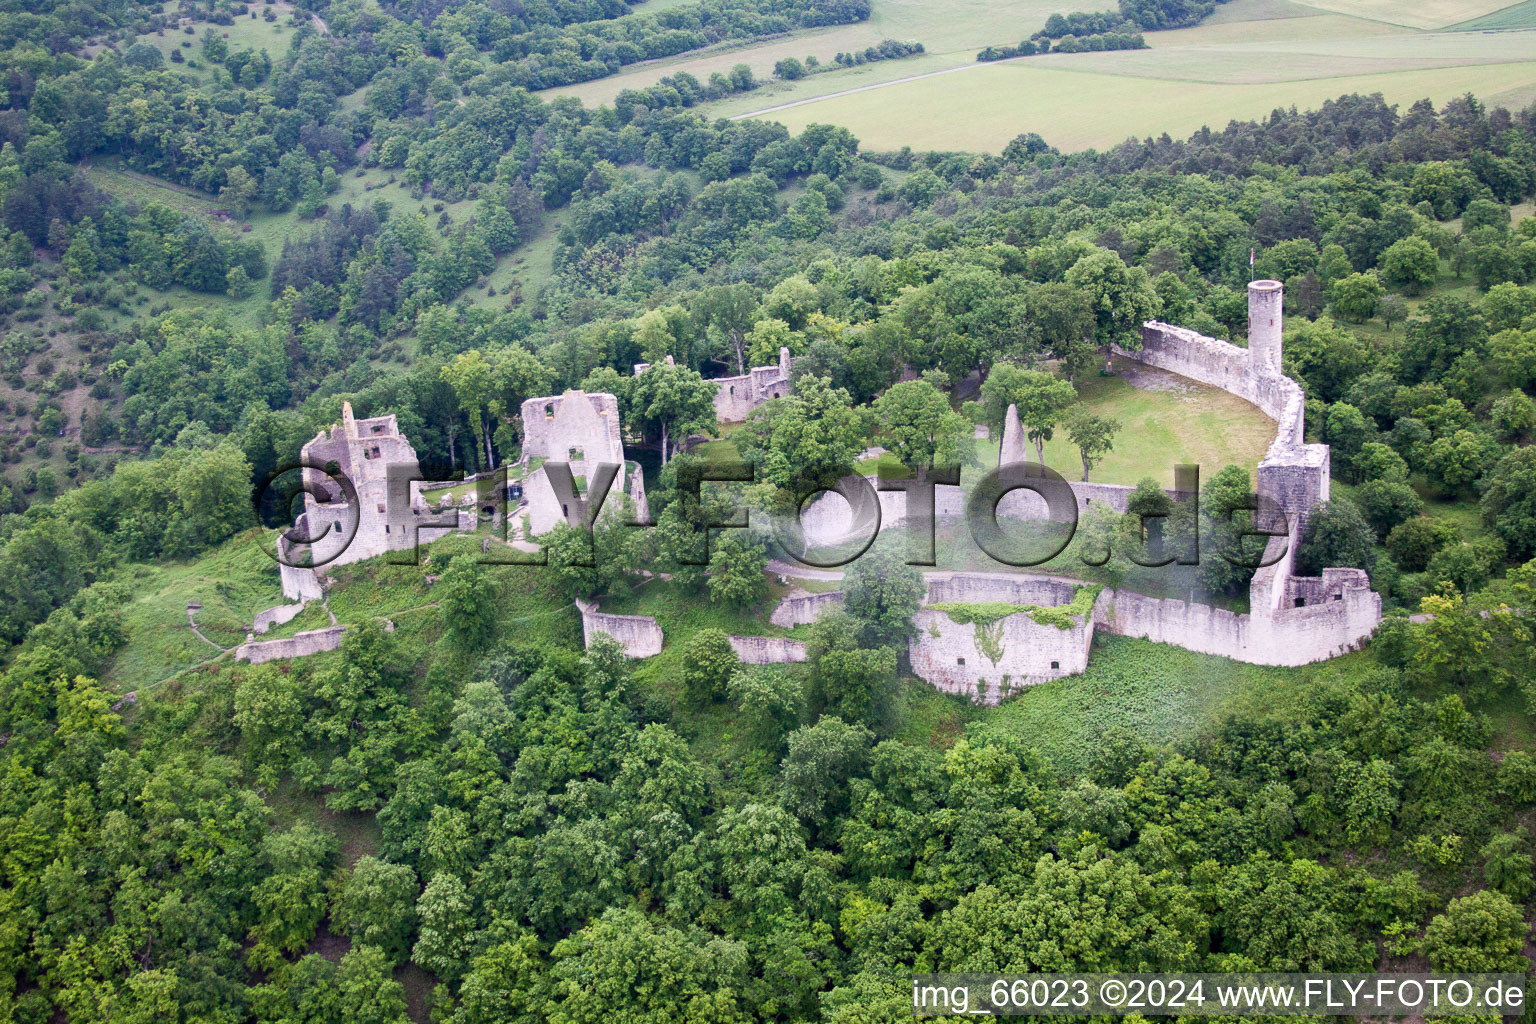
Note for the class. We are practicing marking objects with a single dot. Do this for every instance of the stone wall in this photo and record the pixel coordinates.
(1000, 587)
(952, 656)
(640, 635)
(275, 616)
(767, 650)
(363, 450)
(299, 583)
(1345, 613)
(828, 517)
(800, 607)
(299, 645)
(545, 510)
(555, 425)
(736, 397)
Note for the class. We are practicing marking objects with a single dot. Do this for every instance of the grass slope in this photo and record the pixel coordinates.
(1158, 692)
(1165, 419)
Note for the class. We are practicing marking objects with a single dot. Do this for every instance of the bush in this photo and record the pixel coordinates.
(1414, 542)
(1336, 536)
(708, 663)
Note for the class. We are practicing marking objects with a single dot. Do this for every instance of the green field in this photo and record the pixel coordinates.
(1248, 58)
(1521, 15)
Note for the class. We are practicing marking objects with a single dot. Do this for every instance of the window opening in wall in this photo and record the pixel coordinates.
(1055, 664)
(959, 661)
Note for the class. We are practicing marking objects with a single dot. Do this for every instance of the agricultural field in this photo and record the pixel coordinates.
(1248, 58)
(1521, 15)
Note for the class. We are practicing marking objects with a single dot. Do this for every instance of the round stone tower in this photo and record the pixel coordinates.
(1265, 321)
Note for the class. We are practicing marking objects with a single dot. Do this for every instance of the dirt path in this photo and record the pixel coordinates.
(802, 572)
(193, 623)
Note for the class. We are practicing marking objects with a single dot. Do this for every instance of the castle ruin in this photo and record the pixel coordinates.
(362, 451)
(738, 396)
(1292, 620)
(582, 432)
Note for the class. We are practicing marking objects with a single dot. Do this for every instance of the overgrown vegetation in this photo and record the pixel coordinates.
(985, 613)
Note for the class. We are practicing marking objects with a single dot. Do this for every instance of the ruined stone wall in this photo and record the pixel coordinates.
(275, 616)
(1191, 625)
(299, 583)
(828, 517)
(800, 608)
(1000, 587)
(767, 650)
(1287, 636)
(362, 450)
(640, 635)
(311, 641)
(736, 397)
(954, 658)
(545, 510)
(555, 424)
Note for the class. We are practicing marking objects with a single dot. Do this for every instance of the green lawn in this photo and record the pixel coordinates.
(1165, 420)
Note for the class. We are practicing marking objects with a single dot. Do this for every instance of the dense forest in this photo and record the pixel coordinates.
(499, 825)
